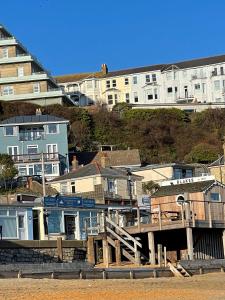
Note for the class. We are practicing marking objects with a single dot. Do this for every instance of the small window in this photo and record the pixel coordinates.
(154, 77)
(214, 196)
(110, 99)
(126, 81)
(150, 97)
(7, 90)
(10, 130)
(32, 149)
(36, 87)
(147, 78)
(127, 96)
(169, 90)
(52, 128)
(215, 71)
(135, 97)
(216, 85)
(175, 89)
(135, 80)
(197, 86)
(108, 84)
(5, 52)
(221, 71)
(156, 93)
(114, 83)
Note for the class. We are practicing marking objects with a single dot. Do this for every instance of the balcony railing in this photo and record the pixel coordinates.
(35, 157)
(31, 136)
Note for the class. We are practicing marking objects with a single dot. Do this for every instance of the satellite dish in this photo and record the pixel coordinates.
(180, 200)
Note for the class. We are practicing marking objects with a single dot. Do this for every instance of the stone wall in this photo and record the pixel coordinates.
(41, 251)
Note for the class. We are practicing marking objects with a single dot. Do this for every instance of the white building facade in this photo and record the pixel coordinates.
(190, 85)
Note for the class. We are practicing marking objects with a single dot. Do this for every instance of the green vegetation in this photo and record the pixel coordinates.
(7, 171)
(162, 135)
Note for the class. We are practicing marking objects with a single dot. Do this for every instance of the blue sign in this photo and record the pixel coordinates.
(67, 201)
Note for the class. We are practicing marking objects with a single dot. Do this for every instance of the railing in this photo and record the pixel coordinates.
(35, 157)
(31, 136)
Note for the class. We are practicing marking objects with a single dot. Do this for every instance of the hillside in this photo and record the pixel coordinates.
(162, 135)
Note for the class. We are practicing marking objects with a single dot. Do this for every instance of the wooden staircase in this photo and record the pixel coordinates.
(178, 270)
(129, 245)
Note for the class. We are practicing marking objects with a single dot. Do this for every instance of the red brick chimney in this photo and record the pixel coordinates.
(105, 161)
(104, 69)
(75, 164)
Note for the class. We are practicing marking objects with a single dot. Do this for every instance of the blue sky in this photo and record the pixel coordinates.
(73, 36)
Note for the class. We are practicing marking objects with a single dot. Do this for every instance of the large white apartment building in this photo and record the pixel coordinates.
(190, 85)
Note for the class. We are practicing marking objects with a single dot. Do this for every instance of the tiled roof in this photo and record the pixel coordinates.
(94, 169)
(183, 188)
(159, 67)
(33, 119)
(77, 77)
(115, 158)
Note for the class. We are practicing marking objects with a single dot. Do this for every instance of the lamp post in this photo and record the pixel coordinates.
(130, 183)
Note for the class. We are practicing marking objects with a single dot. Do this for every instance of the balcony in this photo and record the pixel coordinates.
(7, 41)
(32, 77)
(29, 158)
(188, 99)
(16, 59)
(31, 136)
(48, 94)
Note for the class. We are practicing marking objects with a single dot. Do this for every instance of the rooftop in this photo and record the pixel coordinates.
(19, 120)
(177, 189)
(95, 169)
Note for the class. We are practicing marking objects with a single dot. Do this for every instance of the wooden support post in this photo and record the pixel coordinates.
(91, 250)
(187, 212)
(165, 257)
(131, 275)
(190, 243)
(117, 217)
(160, 255)
(137, 255)
(160, 217)
(223, 237)
(118, 252)
(151, 247)
(59, 249)
(110, 253)
(138, 219)
(210, 214)
(182, 215)
(193, 213)
(105, 247)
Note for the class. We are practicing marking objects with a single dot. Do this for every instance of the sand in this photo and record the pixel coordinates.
(201, 287)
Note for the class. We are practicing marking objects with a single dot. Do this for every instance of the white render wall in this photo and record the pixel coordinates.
(191, 88)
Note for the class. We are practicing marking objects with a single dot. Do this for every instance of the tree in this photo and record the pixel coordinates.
(202, 153)
(7, 169)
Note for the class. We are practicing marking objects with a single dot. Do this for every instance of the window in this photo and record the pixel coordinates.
(156, 93)
(63, 188)
(111, 185)
(127, 96)
(20, 71)
(197, 86)
(116, 98)
(154, 77)
(108, 84)
(169, 75)
(214, 196)
(10, 130)
(135, 80)
(150, 97)
(114, 83)
(5, 52)
(51, 169)
(32, 149)
(7, 90)
(73, 190)
(215, 71)
(52, 128)
(147, 78)
(221, 71)
(169, 90)
(135, 97)
(126, 81)
(110, 99)
(216, 85)
(36, 87)
(89, 84)
(175, 89)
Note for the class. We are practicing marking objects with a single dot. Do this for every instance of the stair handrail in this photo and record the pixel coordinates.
(124, 232)
(120, 238)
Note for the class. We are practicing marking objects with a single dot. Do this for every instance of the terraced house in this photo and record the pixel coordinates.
(25, 138)
(191, 85)
(22, 77)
